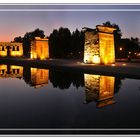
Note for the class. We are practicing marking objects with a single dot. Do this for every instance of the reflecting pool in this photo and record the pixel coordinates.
(43, 98)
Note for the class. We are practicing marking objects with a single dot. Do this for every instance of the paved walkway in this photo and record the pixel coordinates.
(126, 69)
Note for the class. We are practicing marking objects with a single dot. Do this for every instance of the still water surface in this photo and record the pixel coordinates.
(42, 98)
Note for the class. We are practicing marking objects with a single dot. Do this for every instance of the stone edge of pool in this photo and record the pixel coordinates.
(124, 69)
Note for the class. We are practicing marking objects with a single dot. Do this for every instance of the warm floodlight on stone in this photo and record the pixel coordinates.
(39, 48)
(11, 49)
(99, 45)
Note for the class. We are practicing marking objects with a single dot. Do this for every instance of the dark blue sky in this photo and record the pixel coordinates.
(16, 20)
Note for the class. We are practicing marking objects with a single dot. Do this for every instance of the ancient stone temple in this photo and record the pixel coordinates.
(11, 49)
(99, 88)
(39, 48)
(99, 45)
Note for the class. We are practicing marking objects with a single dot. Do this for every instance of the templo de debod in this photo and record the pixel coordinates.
(98, 48)
(39, 48)
(99, 45)
(11, 49)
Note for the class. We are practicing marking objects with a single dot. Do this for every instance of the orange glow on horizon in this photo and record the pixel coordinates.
(7, 38)
(10, 35)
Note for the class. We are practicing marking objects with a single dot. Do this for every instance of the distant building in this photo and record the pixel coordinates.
(99, 45)
(39, 48)
(11, 49)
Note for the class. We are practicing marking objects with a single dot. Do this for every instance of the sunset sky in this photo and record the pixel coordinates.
(17, 20)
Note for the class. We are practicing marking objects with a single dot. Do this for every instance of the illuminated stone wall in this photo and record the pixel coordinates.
(11, 71)
(39, 49)
(106, 45)
(99, 88)
(91, 47)
(39, 77)
(99, 45)
(11, 49)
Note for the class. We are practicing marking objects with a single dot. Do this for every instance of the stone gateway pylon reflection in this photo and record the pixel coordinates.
(39, 77)
(100, 89)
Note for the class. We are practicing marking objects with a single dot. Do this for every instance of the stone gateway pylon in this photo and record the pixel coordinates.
(39, 48)
(99, 45)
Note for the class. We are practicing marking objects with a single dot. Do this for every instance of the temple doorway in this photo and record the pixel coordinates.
(8, 51)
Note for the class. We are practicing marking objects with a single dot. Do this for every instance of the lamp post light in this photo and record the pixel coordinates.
(121, 52)
(129, 56)
(120, 49)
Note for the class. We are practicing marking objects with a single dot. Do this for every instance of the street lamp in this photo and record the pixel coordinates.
(120, 48)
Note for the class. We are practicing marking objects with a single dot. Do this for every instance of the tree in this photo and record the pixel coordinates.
(63, 80)
(18, 39)
(59, 42)
(63, 44)
(64, 41)
(131, 46)
(53, 44)
(77, 44)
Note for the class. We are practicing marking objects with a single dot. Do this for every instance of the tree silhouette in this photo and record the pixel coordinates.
(130, 47)
(64, 79)
(63, 44)
(59, 42)
(53, 44)
(18, 39)
(118, 83)
(77, 44)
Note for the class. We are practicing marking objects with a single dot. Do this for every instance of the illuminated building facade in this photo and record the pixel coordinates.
(99, 45)
(100, 89)
(39, 48)
(11, 49)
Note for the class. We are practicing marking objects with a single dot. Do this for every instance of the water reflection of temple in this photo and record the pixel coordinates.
(32, 76)
(99, 88)
(35, 77)
(11, 71)
(39, 77)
